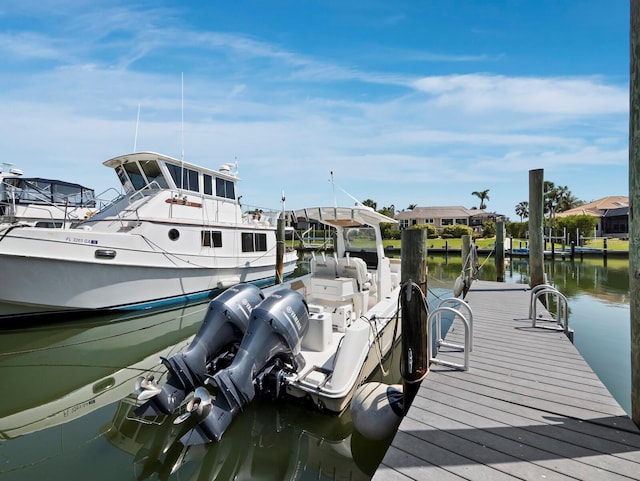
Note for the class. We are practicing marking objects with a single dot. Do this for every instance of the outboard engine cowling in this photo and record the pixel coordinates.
(224, 324)
(275, 330)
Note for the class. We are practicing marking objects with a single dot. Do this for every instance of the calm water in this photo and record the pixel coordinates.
(67, 393)
(597, 291)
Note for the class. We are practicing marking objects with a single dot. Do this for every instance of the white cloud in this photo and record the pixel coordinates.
(558, 96)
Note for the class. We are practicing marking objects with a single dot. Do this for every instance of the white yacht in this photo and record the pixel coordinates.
(178, 233)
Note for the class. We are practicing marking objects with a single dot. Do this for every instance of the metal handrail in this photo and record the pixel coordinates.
(534, 290)
(562, 312)
(435, 315)
(453, 301)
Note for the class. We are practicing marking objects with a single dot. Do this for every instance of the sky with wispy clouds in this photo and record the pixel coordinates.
(405, 102)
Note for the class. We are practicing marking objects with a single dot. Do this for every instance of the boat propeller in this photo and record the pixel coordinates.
(198, 407)
(147, 387)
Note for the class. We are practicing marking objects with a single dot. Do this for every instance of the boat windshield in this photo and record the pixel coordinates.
(361, 242)
(137, 175)
(359, 238)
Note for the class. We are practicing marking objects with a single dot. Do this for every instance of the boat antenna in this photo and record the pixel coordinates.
(343, 191)
(182, 119)
(182, 130)
(283, 199)
(333, 186)
(135, 139)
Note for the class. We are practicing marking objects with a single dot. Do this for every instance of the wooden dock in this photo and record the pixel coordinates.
(529, 408)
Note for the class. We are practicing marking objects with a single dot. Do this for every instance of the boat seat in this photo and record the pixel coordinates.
(324, 267)
(355, 268)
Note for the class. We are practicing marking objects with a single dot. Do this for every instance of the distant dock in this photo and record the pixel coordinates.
(529, 407)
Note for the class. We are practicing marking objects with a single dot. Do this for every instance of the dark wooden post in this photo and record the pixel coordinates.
(500, 251)
(280, 249)
(466, 262)
(413, 268)
(634, 206)
(536, 226)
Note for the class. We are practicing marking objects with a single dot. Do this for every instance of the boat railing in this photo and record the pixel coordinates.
(102, 201)
(40, 209)
(260, 216)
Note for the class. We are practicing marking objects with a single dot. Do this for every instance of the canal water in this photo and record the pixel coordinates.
(67, 393)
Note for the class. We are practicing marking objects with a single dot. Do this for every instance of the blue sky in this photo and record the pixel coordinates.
(406, 102)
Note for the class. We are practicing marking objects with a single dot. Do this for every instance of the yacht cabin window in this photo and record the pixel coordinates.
(225, 188)
(211, 238)
(254, 242)
(208, 184)
(189, 177)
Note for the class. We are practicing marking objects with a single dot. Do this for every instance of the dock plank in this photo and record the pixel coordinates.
(530, 407)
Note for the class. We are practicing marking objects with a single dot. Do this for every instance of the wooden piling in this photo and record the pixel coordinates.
(413, 267)
(465, 252)
(536, 226)
(634, 206)
(500, 251)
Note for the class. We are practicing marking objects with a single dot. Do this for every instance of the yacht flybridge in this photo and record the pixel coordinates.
(177, 233)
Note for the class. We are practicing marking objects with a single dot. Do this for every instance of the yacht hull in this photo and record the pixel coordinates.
(45, 284)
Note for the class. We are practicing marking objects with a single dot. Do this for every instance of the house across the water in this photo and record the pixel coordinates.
(440, 217)
(612, 212)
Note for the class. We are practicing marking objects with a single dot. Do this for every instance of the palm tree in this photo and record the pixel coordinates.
(412, 206)
(482, 195)
(522, 210)
(370, 203)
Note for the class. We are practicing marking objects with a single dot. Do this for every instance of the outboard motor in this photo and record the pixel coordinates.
(224, 325)
(274, 333)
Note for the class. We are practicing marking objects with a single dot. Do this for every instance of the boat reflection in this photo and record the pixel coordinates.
(270, 441)
(60, 372)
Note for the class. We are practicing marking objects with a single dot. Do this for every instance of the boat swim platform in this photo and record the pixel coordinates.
(528, 408)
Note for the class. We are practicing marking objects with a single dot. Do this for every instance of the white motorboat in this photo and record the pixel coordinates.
(315, 339)
(178, 233)
(41, 202)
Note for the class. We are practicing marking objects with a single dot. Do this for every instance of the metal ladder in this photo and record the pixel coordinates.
(562, 310)
(436, 316)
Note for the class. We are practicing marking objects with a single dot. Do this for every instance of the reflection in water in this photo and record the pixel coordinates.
(269, 441)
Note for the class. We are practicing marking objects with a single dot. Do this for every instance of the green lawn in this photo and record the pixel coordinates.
(612, 244)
